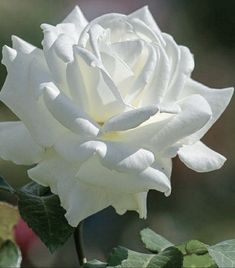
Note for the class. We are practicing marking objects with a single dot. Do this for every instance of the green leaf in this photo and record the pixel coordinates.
(223, 253)
(124, 258)
(95, 264)
(153, 241)
(42, 211)
(10, 255)
(117, 255)
(4, 185)
(205, 261)
(196, 247)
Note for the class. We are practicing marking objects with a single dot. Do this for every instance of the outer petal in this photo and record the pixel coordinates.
(200, 158)
(145, 15)
(136, 202)
(195, 113)
(165, 129)
(92, 172)
(77, 18)
(26, 70)
(17, 145)
(113, 155)
(164, 164)
(57, 46)
(218, 100)
(79, 198)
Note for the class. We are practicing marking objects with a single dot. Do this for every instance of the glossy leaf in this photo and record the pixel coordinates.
(170, 257)
(153, 241)
(42, 211)
(223, 253)
(193, 260)
(195, 247)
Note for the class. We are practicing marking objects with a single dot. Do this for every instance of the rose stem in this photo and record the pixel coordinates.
(78, 239)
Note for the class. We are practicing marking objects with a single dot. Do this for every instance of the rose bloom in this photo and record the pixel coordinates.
(103, 109)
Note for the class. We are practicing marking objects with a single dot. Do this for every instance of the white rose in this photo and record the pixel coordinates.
(103, 108)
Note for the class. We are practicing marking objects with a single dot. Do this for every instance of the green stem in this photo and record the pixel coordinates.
(78, 239)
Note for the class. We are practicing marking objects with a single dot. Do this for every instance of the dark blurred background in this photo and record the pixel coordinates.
(202, 206)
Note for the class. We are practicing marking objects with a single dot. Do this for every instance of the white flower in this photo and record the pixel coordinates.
(103, 108)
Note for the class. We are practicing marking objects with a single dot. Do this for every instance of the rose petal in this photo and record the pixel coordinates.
(77, 18)
(74, 149)
(182, 65)
(145, 75)
(58, 49)
(17, 145)
(92, 172)
(195, 113)
(66, 111)
(164, 165)
(155, 92)
(86, 72)
(120, 157)
(129, 51)
(20, 45)
(130, 119)
(21, 90)
(79, 198)
(200, 158)
(218, 100)
(145, 15)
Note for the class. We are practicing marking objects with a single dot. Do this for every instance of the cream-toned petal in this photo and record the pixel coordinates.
(200, 158)
(182, 65)
(77, 17)
(164, 164)
(145, 16)
(66, 111)
(58, 50)
(79, 199)
(21, 90)
(144, 78)
(75, 149)
(94, 173)
(17, 145)
(92, 87)
(129, 51)
(129, 119)
(135, 202)
(195, 113)
(218, 100)
(21, 45)
(155, 92)
(123, 158)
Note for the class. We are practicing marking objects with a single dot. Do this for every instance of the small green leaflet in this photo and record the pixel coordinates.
(42, 211)
(153, 241)
(10, 255)
(124, 258)
(223, 253)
